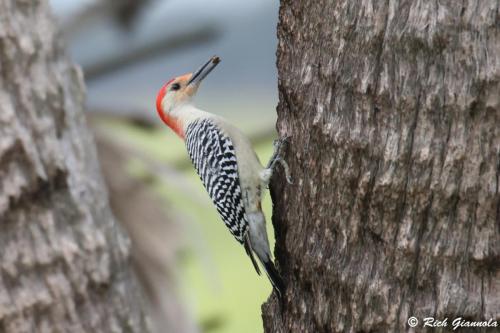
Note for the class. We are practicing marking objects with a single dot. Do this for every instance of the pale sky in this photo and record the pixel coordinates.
(245, 79)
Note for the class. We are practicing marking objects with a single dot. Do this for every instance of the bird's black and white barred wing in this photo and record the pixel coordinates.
(213, 155)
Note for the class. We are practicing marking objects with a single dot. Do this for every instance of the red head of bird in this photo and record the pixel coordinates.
(178, 92)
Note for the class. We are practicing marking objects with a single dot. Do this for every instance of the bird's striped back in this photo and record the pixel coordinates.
(213, 155)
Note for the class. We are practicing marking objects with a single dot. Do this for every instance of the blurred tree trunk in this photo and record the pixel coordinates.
(64, 262)
(393, 109)
(155, 237)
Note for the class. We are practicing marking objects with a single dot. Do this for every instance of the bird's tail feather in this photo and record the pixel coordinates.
(274, 277)
(248, 248)
(265, 258)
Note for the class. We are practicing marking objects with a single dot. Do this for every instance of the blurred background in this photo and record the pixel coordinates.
(196, 276)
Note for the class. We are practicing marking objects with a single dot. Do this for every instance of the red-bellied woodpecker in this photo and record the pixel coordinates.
(226, 163)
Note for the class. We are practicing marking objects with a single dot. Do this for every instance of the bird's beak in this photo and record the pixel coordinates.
(204, 70)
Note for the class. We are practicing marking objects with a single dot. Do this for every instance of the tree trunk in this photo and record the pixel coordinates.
(393, 113)
(155, 237)
(64, 262)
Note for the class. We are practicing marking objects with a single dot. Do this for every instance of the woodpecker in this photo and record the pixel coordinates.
(226, 163)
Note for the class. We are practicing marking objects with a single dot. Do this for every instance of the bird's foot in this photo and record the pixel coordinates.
(276, 158)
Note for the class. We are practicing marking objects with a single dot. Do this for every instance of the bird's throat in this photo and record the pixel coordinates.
(174, 123)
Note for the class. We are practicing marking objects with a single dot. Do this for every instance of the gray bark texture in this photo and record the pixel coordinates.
(393, 113)
(63, 261)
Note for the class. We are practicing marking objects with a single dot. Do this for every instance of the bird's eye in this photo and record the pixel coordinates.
(176, 86)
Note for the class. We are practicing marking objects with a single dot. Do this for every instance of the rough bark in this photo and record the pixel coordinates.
(393, 113)
(64, 262)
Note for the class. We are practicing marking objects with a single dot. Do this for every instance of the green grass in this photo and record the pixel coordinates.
(217, 279)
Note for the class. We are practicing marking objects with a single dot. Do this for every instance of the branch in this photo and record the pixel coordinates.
(155, 48)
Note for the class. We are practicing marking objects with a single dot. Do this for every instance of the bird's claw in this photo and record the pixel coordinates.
(285, 166)
(276, 158)
(278, 143)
